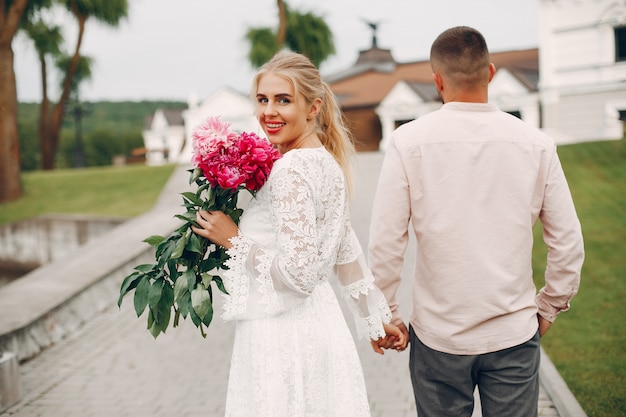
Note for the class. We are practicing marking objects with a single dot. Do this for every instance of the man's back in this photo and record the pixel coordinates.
(477, 180)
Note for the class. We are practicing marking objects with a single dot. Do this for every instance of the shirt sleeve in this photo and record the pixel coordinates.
(389, 237)
(263, 281)
(563, 236)
(364, 300)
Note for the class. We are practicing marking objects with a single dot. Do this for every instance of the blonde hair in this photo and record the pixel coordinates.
(329, 124)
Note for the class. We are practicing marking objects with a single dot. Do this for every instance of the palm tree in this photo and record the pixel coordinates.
(109, 12)
(47, 40)
(306, 33)
(12, 13)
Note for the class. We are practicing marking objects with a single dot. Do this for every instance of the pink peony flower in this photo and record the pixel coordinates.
(232, 160)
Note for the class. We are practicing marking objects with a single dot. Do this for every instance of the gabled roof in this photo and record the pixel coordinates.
(426, 91)
(361, 87)
(174, 117)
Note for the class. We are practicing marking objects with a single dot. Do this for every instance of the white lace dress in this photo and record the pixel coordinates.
(293, 353)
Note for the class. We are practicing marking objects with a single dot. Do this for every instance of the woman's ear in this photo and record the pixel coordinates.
(315, 108)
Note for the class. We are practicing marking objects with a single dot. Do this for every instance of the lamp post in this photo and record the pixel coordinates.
(78, 110)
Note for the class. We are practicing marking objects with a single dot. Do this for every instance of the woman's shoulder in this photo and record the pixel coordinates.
(305, 158)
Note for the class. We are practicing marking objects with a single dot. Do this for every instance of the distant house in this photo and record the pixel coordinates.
(583, 68)
(167, 134)
(163, 136)
(230, 105)
(378, 94)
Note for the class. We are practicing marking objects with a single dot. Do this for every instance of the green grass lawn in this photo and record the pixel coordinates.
(587, 344)
(112, 191)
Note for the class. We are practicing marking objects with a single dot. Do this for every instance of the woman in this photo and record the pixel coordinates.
(293, 353)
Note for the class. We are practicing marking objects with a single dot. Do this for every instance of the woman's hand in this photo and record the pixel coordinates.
(215, 226)
(397, 338)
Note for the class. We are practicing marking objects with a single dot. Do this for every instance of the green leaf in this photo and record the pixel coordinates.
(181, 284)
(192, 198)
(201, 302)
(195, 174)
(145, 268)
(141, 295)
(154, 240)
(191, 281)
(160, 313)
(187, 217)
(150, 320)
(129, 283)
(184, 305)
(167, 296)
(194, 244)
(201, 189)
(220, 284)
(209, 263)
(209, 199)
(209, 316)
(174, 273)
(153, 326)
(206, 280)
(154, 293)
(166, 255)
(194, 317)
(235, 215)
(179, 248)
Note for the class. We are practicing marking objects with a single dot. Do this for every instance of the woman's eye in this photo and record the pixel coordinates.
(284, 101)
(262, 100)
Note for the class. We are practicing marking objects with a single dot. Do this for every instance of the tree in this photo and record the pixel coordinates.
(109, 12)
(47, 40)
(12, 13)
(306, 33)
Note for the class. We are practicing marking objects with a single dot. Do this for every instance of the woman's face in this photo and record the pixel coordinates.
(286, 118)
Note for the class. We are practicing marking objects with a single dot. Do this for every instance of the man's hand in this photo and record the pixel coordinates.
(396, 337)
(544, 325)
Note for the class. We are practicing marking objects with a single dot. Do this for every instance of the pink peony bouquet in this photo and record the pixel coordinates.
(226, 162)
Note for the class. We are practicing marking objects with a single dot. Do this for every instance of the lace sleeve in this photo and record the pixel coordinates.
(263, 281)
(366, 302)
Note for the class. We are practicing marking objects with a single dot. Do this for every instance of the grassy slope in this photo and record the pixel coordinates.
(587, 343)
(116, 191)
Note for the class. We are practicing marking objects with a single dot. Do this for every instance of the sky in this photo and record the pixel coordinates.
(172, 49)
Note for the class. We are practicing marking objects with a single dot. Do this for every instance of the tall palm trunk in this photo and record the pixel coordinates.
(282, 24)
(44, 109)
(10, 183)
(50, 122)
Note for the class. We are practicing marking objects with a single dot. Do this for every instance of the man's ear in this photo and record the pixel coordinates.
(492, 71)
(438, 81)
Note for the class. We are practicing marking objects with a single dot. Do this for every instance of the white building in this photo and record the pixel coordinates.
(582, 57)
(163, 136)
(230, 105)
(167, 135)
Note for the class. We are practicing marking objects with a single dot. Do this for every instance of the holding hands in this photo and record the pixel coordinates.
(397, 338)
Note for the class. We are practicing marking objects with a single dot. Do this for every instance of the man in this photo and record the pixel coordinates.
(471, 181)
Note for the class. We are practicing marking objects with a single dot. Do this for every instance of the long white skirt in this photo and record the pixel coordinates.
(301, 363)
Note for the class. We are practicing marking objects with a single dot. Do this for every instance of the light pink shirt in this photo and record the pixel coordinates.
(471, 181)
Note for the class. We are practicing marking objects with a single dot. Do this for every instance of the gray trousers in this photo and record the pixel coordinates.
(507, 380)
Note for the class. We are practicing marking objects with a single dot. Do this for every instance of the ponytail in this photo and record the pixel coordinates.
(335, 136)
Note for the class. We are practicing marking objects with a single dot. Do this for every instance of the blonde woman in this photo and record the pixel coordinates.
(293, 353)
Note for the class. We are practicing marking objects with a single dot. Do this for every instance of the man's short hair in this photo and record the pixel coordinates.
(461, 54)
